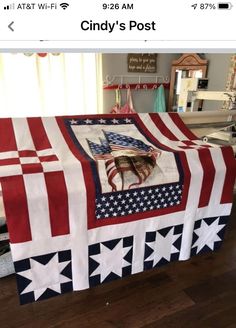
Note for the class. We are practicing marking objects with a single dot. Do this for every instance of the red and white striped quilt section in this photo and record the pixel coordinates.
(70, 229)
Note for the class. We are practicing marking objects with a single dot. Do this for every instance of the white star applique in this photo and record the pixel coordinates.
(111, 260)
(73, 121)
(163, 247)
(88, 121)
(208, 234)
(45, 276)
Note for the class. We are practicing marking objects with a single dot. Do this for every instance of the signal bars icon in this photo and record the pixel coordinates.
(64, 5)
(9, 7)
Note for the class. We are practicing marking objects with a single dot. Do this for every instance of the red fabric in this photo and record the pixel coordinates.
(9, 161)
(177, 120)
(122, 110)
(162, 126)
(230, 163)
(127, 108)
(58, 203)
(208, 176)
(7, 140)
(42, 54)
(32, 168)
(38, 133)
(15, 198)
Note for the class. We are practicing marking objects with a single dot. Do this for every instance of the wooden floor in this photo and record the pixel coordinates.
(200, 292)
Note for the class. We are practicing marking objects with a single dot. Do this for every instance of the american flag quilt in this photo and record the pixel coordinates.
(90, 199)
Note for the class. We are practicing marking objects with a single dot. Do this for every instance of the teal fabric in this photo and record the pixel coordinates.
(160, 102)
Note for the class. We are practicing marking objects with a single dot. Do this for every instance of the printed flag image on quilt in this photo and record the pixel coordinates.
(91, 199)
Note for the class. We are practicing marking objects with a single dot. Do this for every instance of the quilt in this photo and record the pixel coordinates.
(91, 199)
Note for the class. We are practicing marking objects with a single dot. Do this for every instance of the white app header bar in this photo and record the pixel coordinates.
(119, 24)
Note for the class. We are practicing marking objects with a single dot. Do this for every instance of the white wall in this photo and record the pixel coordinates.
(217, 72)
(116, 64)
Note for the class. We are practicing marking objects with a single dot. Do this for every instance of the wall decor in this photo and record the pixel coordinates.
(142, 63)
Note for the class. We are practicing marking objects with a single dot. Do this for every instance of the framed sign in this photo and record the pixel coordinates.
(142, 63)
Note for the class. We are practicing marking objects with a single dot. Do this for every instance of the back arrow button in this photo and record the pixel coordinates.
(10, 26)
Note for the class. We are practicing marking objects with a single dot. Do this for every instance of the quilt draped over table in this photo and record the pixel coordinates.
(90, 199)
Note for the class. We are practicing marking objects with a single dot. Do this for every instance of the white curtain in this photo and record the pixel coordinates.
(63, 84)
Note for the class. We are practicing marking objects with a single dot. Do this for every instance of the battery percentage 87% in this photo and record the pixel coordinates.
(204, 6)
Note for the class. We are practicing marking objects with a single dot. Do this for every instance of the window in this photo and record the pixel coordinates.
(50, 84)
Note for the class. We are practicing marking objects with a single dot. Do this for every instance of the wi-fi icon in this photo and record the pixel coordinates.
(64, 5)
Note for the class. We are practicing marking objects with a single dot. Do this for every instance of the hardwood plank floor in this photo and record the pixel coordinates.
(200, 292)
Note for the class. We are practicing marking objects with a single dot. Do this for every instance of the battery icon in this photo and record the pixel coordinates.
(224, 5)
